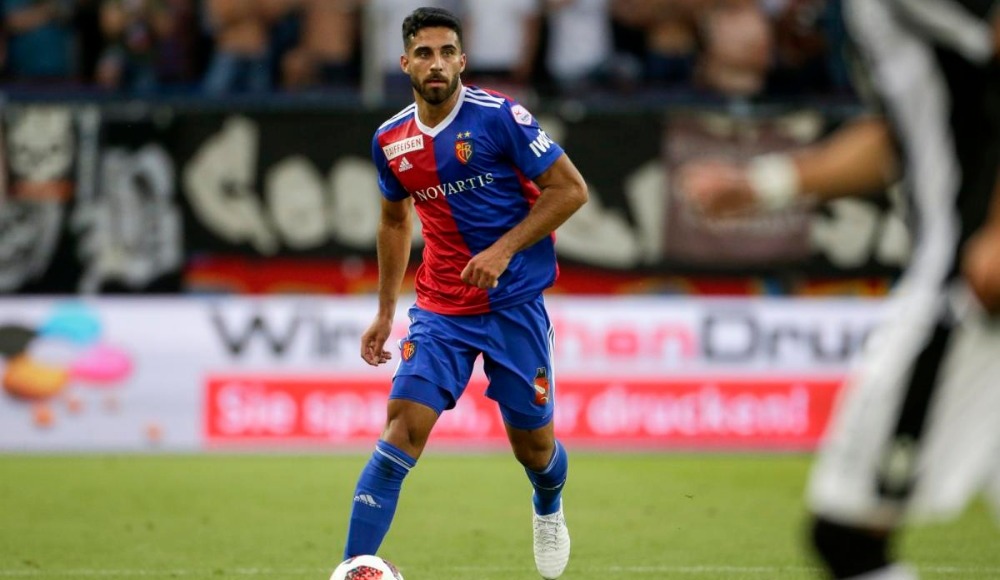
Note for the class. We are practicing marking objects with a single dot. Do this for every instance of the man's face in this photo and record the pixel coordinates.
(434, 61)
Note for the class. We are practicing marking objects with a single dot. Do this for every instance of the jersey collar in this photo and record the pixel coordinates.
(432, 132)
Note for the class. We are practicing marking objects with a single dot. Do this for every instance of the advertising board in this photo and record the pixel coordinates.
(142, 374)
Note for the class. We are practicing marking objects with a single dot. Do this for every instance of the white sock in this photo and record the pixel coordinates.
(894, 572)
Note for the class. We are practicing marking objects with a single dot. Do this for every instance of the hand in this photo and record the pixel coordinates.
(981, 267)
(716, 188)
(484, 269)
(373, 342)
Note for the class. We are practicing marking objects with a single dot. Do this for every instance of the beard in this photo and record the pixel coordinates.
(435, 95)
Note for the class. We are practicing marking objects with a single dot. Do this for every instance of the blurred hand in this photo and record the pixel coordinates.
(716, 188)
(373, 342)
(981, 267)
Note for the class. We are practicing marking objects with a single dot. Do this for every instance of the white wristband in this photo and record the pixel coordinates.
(774, 180)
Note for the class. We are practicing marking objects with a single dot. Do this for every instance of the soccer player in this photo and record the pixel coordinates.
(490, 187)
(915, 434)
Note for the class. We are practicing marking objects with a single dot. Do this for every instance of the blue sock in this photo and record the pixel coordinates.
(375, 499)
(549, 482)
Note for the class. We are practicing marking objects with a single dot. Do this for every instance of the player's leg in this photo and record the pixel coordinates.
(858, 493)
(924, 391)
(518, 364)
(547, 466)
(544, 459)
(432, 374)
(863, 481)
(376, 494)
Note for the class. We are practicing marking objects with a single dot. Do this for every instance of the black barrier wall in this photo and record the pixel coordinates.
(180, 199)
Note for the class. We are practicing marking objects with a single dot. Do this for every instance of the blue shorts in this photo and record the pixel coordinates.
(438, 354)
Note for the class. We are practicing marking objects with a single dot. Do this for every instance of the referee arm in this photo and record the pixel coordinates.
(859, 158)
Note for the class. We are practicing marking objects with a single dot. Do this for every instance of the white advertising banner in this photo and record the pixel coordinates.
(188, 374)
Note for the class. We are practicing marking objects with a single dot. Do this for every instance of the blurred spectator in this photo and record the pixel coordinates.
(40, 40)
(178, 61)
(811, 47)
(670, 39)
(800, 46)
(501, 40)
(89, 40)
(3, 56)
(241, 62)
(738, 41)
(579, 49)
(133, 31)
(325, 53)
(739, 48)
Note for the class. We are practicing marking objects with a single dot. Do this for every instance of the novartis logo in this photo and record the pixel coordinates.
(443, 190)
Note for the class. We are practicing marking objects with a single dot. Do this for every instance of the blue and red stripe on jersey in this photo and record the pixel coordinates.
(470, 178)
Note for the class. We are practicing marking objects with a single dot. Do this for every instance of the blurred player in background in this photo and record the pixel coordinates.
(490, 187)
(915, 435)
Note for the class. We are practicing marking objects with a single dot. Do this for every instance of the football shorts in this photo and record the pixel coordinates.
(439, 352)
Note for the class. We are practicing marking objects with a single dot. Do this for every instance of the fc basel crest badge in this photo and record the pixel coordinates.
(408, 349)
(542, 386)
(463, 150)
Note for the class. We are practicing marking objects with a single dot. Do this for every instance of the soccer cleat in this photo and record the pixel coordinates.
(551, 544)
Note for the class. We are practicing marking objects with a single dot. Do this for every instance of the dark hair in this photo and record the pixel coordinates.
(429, 18)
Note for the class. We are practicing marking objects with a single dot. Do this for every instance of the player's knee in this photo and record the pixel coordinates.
(534, 455)
(531, 460)
(405, 437)
(848, 551)
(408, 427)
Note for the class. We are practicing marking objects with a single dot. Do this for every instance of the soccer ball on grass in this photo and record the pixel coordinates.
(366, 568)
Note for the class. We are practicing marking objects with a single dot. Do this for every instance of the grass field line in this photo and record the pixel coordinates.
(959, 571)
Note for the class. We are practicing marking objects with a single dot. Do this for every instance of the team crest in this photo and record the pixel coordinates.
(409, 348)
(463, 150)
(541, 386)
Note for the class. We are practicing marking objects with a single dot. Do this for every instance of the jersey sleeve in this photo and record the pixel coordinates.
(527, 145)
(959, 25)
(387, 183)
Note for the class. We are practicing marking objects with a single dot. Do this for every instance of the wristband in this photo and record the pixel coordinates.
(774, 180)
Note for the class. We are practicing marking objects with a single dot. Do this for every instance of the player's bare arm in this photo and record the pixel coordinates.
(393, 246)
(563, 192)
(981, 258)
(857, 159)
(981, 254)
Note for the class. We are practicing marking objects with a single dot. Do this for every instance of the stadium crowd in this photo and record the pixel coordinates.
(742, 48)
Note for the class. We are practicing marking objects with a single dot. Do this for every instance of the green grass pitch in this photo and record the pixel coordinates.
(283, 516)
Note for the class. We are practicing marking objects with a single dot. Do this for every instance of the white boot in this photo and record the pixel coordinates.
(551, 544)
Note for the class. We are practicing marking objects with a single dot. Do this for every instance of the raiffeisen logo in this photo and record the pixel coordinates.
(45, 363)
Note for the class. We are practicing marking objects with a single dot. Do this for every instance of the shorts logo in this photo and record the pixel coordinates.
(541, 386)
(408, 348)
(463, 147)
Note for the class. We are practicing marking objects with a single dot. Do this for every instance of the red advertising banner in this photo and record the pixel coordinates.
(774, 413)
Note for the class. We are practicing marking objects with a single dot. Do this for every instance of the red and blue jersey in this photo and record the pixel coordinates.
(470, 178)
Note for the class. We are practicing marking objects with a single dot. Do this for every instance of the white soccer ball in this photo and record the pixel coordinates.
(366, 568)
